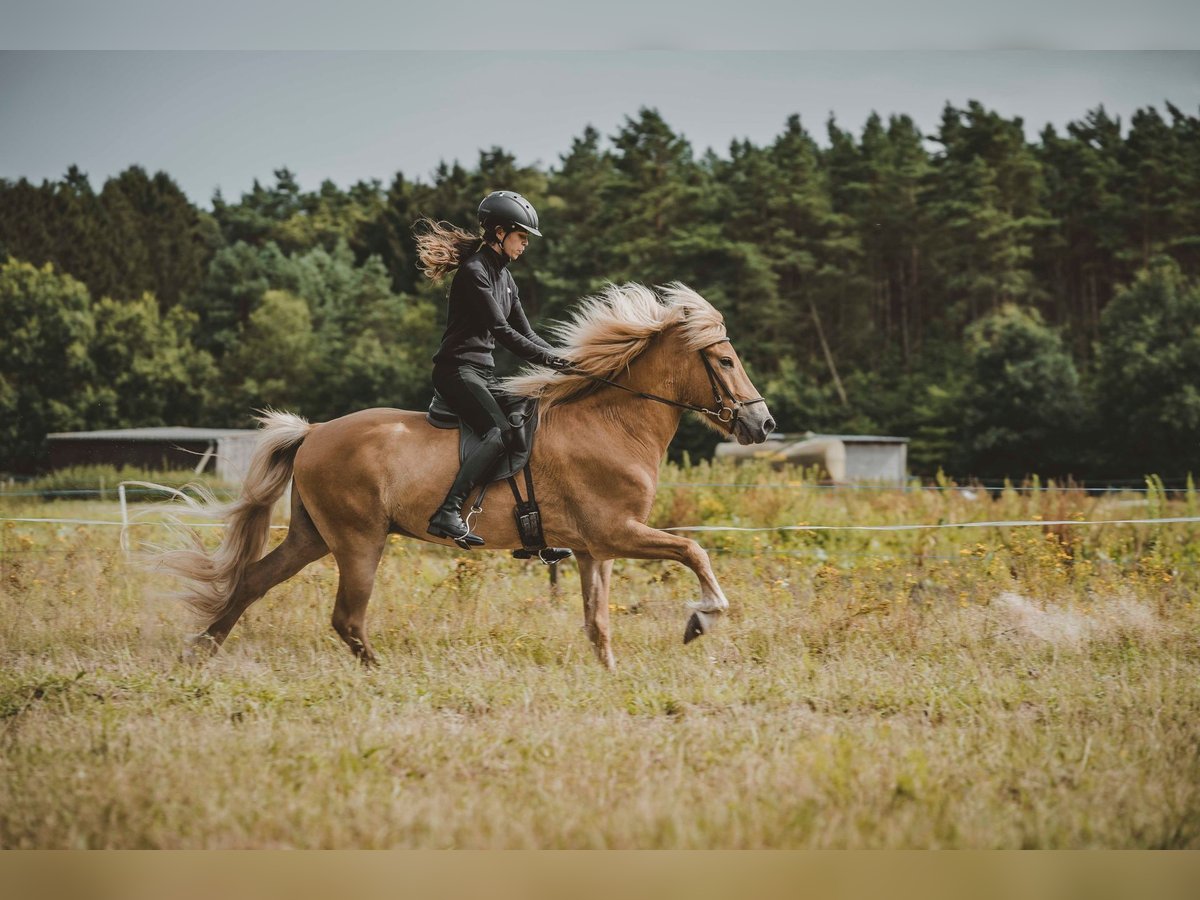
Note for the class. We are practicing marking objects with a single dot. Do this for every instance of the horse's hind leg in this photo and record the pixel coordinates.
(594, 577)
(302, 545)
(356, 579)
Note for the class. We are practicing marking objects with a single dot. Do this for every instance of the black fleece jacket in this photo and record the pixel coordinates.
(485, 308)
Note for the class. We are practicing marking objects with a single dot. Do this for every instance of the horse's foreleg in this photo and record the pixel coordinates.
(638, 541)
(595, 575)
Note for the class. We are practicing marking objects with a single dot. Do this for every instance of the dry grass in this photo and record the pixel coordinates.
(944, 689)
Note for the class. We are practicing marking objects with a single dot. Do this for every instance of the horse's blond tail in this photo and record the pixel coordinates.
(214, 577)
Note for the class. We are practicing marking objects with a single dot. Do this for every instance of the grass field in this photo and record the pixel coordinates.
(1015, 687)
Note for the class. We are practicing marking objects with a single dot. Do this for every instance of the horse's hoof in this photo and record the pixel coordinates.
(199, 649)
(696, 626)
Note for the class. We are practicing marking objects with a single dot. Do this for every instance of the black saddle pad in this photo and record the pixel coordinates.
(522, 413)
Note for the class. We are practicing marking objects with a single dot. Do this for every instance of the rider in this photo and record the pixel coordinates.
(484, 308)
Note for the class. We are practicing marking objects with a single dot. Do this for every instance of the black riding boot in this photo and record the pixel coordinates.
(448, 522)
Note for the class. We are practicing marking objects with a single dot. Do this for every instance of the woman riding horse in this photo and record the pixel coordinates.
(362, 477)
(484, 308)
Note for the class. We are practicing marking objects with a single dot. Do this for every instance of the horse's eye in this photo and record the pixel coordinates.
(726, 362)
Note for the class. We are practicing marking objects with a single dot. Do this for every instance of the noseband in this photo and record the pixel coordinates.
(727, 413)
(724, 412)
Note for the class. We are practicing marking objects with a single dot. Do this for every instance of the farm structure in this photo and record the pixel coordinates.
(843, 458)
(224, 452)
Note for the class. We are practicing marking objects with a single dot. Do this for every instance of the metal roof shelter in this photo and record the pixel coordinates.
(224, 452)
(844, 457)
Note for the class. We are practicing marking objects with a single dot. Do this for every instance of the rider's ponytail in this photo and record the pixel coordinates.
(442, 246)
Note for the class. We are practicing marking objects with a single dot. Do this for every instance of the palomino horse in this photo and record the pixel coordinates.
(358, 478)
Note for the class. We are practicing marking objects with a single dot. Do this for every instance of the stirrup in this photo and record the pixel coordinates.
(548, 555)
(465, 538)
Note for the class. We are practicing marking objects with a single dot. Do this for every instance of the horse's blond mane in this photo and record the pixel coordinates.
(611, 329)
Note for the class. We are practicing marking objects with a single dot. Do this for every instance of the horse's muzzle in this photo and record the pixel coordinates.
(754, 424)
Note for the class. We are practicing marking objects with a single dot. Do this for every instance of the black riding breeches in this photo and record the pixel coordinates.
(470, 392)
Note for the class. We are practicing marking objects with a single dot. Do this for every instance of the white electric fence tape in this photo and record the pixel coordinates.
(124, 524)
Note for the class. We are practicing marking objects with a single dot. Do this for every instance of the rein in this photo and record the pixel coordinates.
(724, 413)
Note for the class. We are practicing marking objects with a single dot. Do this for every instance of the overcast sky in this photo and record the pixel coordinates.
(220, 119)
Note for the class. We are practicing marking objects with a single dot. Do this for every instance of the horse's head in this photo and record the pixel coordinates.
(731, 403)
(671, 341)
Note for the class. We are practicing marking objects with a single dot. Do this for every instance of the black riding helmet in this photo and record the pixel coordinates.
(509, 210)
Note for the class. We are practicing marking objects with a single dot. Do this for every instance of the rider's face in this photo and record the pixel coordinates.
(515, 243)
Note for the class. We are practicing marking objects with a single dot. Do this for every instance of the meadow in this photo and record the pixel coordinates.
(998, 687)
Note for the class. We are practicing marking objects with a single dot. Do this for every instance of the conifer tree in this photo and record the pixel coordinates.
(1076, 262)
(573, 218)
(160, 239)
(984, 210)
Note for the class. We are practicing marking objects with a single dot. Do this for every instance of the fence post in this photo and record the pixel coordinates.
(124, 517)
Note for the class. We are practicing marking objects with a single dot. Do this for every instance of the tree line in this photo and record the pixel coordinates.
(1012, 306)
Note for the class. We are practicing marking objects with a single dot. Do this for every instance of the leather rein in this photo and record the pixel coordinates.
(724, 412)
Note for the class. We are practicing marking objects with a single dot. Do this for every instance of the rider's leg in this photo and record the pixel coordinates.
(466, 389)
(447, 521)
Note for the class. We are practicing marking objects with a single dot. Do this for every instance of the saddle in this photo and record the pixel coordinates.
(522, 415)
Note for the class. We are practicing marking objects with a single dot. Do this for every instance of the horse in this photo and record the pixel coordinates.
(641, 359)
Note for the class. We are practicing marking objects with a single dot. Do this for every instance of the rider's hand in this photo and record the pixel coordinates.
(560, 363)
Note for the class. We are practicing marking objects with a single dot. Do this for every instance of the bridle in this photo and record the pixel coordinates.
(726, 413)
